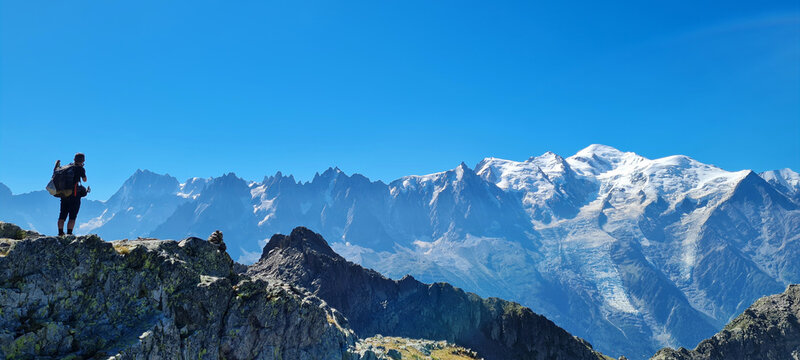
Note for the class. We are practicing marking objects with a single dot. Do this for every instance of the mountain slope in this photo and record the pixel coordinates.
(138, 207)
(497, 329)
(768, 330)
(784, 180)
(224, 205)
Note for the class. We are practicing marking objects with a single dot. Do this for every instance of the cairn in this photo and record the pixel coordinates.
(216, 238)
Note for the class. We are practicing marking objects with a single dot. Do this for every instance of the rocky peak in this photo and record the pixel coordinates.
(753, 187)
(300, 240)
(229, 178)
(148, 179)
(327, 175)
(279, 178)
(374, 304)
(144, 184)
(5, 192)
(768, 330)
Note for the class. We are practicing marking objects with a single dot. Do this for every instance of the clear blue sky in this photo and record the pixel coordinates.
(389, 88)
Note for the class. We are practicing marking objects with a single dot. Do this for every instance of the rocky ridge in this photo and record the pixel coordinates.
(82, 297)
(495, 328)
(768, 330)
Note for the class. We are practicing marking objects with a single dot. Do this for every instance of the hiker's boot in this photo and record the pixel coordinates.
(60, 232)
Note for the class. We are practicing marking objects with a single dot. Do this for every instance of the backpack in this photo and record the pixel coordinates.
(81, 191)
(63, 181)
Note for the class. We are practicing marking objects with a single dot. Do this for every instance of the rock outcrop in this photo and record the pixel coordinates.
(82, 297)
(768, 330)
(495, 328)
(11, 231)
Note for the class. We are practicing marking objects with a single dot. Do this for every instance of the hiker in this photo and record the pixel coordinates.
(72, 203)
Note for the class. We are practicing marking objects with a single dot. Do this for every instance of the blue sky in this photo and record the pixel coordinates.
(389, 88)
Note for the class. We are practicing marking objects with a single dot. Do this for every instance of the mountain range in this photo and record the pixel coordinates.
(82, 297)
(632, 254)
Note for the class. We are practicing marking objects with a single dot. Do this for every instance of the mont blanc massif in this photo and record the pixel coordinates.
(629, 253)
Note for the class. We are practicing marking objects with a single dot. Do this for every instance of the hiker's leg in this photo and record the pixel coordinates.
(70, 226)
(73, 214)
(62, 215)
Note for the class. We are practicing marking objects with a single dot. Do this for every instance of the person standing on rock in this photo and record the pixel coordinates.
(70, 205)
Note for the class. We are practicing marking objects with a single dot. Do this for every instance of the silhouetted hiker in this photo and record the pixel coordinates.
(71, 200)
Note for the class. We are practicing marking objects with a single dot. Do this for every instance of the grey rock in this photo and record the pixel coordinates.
(11, 231)
(768, 330)
(82, 297)
(394, 354)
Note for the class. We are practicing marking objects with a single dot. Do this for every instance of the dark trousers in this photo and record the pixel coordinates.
(69, 207)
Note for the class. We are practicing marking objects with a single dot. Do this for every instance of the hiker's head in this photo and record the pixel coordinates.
(80, 158)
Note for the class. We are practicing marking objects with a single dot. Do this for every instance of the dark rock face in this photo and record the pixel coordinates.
(82, 297)
(495, 328)
(767, 330)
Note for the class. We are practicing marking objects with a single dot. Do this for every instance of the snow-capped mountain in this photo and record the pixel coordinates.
(630, 253)
(786, 181)
(550, 189)
(224, 204)
(138, 207)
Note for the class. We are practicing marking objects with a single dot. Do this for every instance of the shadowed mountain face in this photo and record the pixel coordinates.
(786, 181)
(768, 330)
(631, 253)
(224, 205)
(373, 304)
